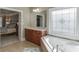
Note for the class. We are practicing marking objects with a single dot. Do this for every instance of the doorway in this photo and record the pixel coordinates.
(11, 26)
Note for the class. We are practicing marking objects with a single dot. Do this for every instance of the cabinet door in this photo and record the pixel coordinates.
(28, 34)
(37, 37)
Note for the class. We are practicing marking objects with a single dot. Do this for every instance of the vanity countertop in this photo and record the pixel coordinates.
(37, 28)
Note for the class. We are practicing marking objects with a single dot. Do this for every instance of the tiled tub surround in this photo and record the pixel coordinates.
(55, 44)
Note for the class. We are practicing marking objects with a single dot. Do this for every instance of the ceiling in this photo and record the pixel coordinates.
(7, 12)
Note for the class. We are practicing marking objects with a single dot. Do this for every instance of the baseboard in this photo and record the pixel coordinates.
(23, 39)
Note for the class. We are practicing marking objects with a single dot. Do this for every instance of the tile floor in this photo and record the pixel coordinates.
(8, 39)
(11, 43)
(17, 47)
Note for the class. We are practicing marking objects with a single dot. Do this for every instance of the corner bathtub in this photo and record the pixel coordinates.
(55, 44)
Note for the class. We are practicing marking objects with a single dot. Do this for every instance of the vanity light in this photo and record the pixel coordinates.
(36, 10)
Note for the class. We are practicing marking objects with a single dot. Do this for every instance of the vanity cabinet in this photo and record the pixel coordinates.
(34, 35)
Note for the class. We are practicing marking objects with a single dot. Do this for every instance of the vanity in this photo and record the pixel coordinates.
(34, 34)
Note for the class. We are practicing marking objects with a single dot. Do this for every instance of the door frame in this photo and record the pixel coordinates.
(20, 30)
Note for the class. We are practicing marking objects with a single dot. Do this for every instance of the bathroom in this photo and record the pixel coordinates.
(52, 29)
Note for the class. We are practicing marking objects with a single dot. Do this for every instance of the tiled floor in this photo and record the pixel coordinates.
(8, 39)
(17, 47)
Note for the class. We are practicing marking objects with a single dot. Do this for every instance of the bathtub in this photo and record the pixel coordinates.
(47, 44)
(56, 44)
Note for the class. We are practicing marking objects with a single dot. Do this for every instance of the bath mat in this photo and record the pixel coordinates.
(32, 50)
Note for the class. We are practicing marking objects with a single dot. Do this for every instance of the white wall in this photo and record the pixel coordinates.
(0, 21)
(33, 20)
(77, 28)
(26, 19)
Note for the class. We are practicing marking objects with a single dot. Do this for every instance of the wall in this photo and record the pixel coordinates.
(77, 28)
(26, 19)
(45, 13)
(0, 21)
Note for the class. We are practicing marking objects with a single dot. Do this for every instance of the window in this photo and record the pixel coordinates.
(63, 21)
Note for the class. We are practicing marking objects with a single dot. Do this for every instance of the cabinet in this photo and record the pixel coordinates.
(34, 36)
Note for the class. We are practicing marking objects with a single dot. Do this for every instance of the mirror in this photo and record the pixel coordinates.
(39, 21)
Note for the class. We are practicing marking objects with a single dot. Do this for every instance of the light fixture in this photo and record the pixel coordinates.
(36, 10)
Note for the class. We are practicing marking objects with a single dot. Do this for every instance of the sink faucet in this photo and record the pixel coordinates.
(55, 49)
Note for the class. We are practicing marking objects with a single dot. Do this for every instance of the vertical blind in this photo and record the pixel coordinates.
(63, 21)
